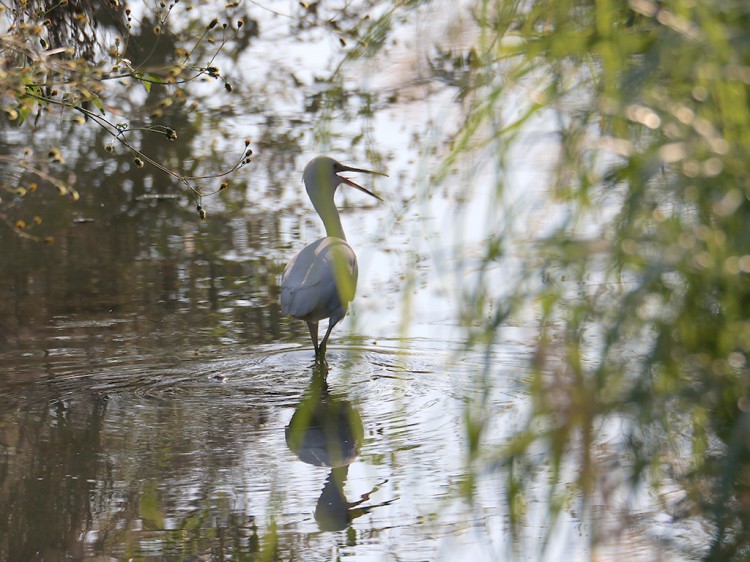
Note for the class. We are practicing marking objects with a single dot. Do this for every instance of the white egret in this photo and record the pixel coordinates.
(320, 281)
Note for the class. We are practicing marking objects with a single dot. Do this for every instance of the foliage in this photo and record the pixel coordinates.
(643, 295)
(77, 64)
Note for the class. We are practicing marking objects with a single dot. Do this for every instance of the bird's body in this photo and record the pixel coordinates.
(309, 289)
(320, 281)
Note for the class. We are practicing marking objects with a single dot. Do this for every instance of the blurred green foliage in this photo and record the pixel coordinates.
(643, 290)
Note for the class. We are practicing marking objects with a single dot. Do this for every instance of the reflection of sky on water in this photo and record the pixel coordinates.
(425, 236)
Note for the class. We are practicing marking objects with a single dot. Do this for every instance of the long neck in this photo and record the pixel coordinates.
(330, 215)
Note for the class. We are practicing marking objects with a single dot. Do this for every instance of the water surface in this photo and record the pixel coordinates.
(155, 404)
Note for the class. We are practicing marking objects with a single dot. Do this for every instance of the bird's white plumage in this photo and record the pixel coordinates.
(320, 281)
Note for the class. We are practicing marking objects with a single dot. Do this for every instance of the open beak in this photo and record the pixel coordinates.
(347, 181)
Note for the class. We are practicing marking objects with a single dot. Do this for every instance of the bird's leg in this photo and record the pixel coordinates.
(313, 327)
(331, 324)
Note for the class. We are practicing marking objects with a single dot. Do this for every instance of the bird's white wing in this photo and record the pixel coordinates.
(320, 281)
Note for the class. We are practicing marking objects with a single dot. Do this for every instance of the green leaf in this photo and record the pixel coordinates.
(23, 111)
(155, 79)
(138, 75)
(98, 103)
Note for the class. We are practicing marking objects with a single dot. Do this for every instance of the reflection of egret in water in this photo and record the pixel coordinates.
(328, 431)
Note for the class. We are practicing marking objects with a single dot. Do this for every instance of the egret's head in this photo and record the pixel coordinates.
(322, 175)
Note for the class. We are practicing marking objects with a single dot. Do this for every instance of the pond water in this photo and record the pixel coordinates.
(149, 390)
(154, 402)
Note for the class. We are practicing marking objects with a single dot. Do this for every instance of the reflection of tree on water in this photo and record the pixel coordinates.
(47, 494)
(328, 431)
